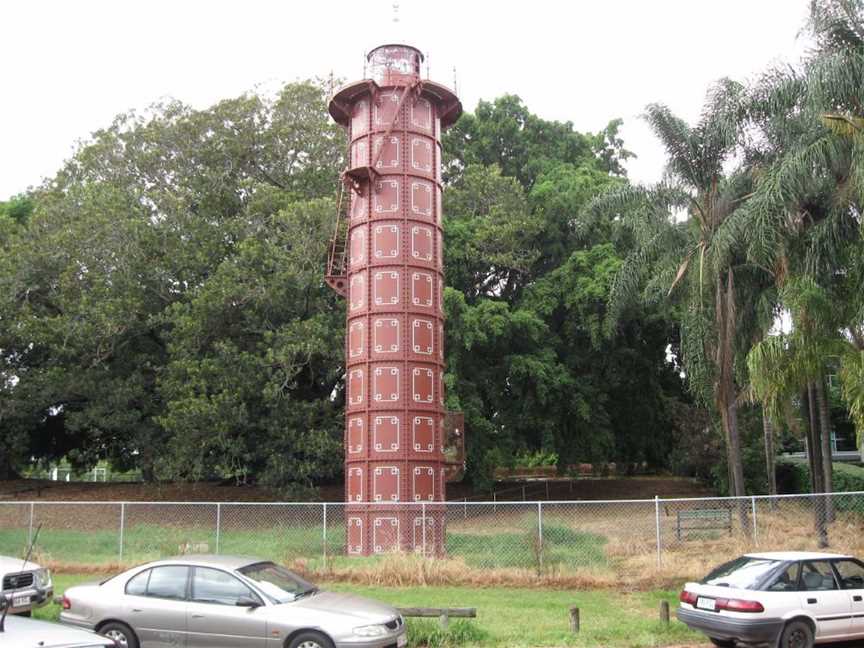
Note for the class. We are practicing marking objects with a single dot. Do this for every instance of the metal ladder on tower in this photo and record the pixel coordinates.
(337, 261)
(359, 179)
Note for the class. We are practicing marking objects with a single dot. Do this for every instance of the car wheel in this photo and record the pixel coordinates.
(797, 634)
(310, 639)
(723, 643)
(120, 633)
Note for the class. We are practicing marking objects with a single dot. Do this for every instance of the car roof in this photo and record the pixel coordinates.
(22, 632)
(796, 555)
(210, 560)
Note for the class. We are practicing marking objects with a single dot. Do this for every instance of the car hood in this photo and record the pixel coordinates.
(359, 607)
(23, 633)
(10, 564)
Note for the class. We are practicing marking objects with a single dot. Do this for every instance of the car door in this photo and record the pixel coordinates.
(215, 620)
(850, 573)
(824, 600)
(155, 606)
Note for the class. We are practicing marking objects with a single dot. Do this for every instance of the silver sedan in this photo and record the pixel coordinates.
(228, 601)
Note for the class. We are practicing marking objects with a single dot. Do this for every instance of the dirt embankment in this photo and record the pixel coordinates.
(579, 489)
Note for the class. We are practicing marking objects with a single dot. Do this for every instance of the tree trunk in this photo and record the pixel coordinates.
(770, 469)
(726, 391)
(827, 455)
(816, 472)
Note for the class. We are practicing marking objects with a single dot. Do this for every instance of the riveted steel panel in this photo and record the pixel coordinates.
(386, 338)
(385, 483)
(422, 244)
(423, 433)
(385, 198)
(385, 534)
(423, 483)
(356, 435)
(385, 433)
(357, 335)
(386, 241)
(422, 336)
(355, 535)
(357, 257)
(386, 388)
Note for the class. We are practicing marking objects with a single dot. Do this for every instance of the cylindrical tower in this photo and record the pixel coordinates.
(387, 260)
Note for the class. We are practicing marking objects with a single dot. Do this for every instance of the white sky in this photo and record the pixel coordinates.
(66, 68)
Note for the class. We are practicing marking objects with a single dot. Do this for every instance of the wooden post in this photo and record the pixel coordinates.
(574, 619)
(445, 621)
(664, 612)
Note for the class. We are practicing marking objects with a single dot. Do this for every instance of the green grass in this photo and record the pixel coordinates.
(512, 616)
(562, 546)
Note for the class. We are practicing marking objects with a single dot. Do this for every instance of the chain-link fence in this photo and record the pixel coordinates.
(601, 539)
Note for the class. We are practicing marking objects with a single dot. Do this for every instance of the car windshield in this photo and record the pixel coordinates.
(279, 584)
(741, 573)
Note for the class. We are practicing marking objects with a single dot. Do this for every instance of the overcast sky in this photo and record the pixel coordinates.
(66, 68)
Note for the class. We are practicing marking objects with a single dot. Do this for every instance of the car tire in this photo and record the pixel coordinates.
(796, 634)
(121, 634)
(310, 639)
(722, 643)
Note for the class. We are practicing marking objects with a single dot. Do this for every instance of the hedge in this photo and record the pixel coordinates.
(793, 476)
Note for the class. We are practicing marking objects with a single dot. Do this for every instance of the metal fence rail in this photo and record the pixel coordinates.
(556, 537)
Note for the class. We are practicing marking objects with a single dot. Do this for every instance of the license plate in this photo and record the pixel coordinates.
(20, 601)
(402, 641)
(706, 604)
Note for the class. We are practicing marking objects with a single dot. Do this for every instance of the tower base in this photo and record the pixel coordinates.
(374, 529)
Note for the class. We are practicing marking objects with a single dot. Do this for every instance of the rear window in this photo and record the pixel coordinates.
(742, 573)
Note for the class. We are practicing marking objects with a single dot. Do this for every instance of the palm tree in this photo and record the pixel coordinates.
(684, 251)
(805, 217)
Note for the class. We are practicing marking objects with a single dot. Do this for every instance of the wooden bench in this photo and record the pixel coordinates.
(442, 614)
(719, 519)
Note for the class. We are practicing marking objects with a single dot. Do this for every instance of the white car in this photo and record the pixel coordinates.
(786, 599)
(30, 633)
(25, 585)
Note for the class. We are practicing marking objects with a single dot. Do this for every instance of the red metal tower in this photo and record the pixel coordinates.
(386, 258)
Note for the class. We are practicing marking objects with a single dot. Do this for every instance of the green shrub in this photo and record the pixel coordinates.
(422, 632)
(526, 459)
(793, 476)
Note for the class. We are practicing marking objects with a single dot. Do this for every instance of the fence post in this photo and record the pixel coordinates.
(122, 527)
(423, 522)
(324, 534)
(218, 524)
(523, 495)
(494, 502)
(540, 534)
(30, 527)
(657, 524)
(753, 509)
(465, 511)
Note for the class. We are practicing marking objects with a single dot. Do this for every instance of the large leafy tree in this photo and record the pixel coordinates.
(528, 358)
(140, 254)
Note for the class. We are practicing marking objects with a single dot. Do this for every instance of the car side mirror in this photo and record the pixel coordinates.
(247, 602)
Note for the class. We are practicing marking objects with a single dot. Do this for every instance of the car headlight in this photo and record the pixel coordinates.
(370, 631)
(43, 578)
